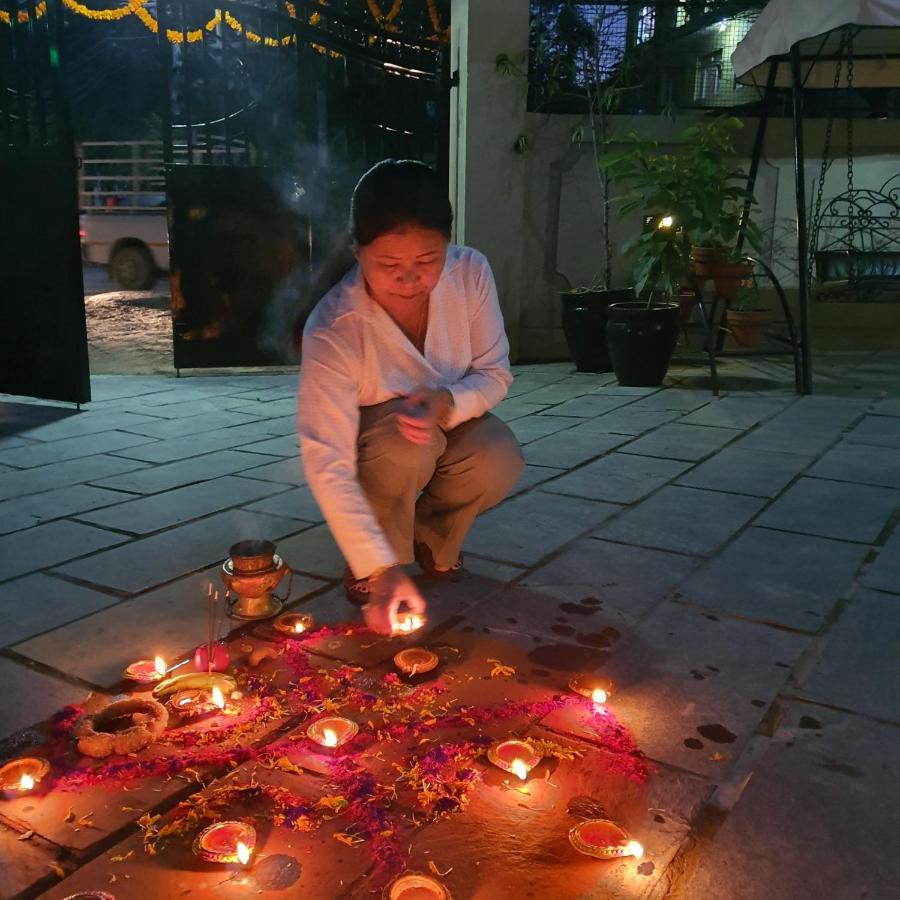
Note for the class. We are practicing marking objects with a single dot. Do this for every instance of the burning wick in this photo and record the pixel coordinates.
(298, 628)
(598, 695)
(329, 737)
(219, 701)
(26, 783)
(160, 665)
(519, 769)
(409, 623)
(633, 848)
(243, 851)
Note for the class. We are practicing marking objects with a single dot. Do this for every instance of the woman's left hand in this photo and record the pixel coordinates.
(424, 410)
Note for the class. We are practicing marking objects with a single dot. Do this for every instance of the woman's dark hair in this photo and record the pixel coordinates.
(399, 192)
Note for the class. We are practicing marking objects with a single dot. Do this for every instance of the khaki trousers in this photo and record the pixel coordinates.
(459, 473)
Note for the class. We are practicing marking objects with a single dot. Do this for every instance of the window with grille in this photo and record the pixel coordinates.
(709, 76)
(646, 24)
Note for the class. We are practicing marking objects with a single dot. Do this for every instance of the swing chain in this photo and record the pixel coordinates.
(814, 225)
(850, 113)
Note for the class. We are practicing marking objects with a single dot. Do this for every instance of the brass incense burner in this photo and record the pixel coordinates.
(250, 574)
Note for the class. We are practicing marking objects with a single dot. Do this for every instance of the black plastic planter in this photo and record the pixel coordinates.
(584, 325)
(641, 341)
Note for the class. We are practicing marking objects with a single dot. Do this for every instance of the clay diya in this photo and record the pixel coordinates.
(594, 687)
(125, 726)
(517, 757)
(415, 660)
(146, 671)
(332, 731)
(90, 895)
(19, 776)
(192, 703)
(293, 623)
(415, 886)
(408, 623)
(226, 842)
(603, 839)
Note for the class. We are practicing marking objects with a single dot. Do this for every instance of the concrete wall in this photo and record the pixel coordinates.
(537, 215)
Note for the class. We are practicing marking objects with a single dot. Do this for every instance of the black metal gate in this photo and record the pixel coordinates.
(272, 118)
(43, 340)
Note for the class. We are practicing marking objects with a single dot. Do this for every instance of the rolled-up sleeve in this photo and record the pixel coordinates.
(488, 377)
(328, 427)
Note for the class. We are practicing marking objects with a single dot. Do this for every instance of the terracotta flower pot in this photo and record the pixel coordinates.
(729, 276)
(746, 326)
(704, 259)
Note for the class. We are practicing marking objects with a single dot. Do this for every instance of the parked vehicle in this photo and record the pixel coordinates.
(122, 198)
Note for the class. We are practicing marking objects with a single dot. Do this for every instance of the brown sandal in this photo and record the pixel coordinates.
(356, 589)
(425, 559)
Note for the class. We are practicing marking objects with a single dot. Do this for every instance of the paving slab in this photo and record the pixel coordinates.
(569, 448)
(76, 471)
(686, 520)
(735, 411)
(834, 411)
(57, 503)
(298, 503)
(759, 473)
(313, 551)
(888, 406)
(38, 603)
(878, 431)
(164, 510)
(858, 667)
(618, 478)
(88, 422)
(860, 464)
(168, 622)
(884, 573)
(154, 479)
(70, 448)
(48, 545)
(527, 528)
(191, 446)
(173, 428)
(25, 862)
(685, 686)
(849, 512)
(598, 576)
(284, 471)
(685, 442)
(675, 398)
(285, 445)
(784, 437)
(513, 409)
(588, 406)
(147, 562)
(532, 476)
(630, 420)
(530, 428)
(815, 819)
(29, 696)
(773, 576)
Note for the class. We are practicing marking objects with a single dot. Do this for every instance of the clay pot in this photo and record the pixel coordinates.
(746, 326)
(704, 259)
(729, 276)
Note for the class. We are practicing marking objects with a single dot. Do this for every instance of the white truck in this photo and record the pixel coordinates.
(122, 202)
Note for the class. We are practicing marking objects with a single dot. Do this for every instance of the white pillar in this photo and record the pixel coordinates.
(487, 114)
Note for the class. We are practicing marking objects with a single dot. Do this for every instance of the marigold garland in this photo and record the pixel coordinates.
(23, 15)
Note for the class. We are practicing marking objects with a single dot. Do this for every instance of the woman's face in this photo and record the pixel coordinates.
(403, 266)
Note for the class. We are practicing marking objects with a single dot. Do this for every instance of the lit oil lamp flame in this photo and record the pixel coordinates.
(409, 623)
(598, 695)
(299, 628)
(217, 697)
(160, 665)
(329, 737)
(519, 769)
(26, 783)
(243, 853)
(633, 848)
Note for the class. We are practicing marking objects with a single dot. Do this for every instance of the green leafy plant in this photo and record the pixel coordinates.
(747, 298)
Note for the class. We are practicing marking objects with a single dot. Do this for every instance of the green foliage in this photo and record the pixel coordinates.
(747, 297)
(696, 185)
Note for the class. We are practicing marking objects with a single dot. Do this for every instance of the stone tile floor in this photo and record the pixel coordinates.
(732, 563)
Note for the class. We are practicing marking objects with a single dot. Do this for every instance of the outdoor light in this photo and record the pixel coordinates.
(666, 222)
(723, 25)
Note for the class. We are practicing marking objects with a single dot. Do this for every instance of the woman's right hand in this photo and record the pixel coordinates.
(387, 593)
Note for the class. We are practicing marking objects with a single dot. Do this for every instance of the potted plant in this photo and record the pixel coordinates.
(746, 317)
(568, 71)
(641, 334)
(696, 188)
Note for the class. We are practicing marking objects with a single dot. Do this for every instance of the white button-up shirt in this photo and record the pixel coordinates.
(355, 355)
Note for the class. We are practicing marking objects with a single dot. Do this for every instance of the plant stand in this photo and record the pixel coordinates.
(712, 314)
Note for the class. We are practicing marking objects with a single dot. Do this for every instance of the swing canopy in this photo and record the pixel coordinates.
(817, 27)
